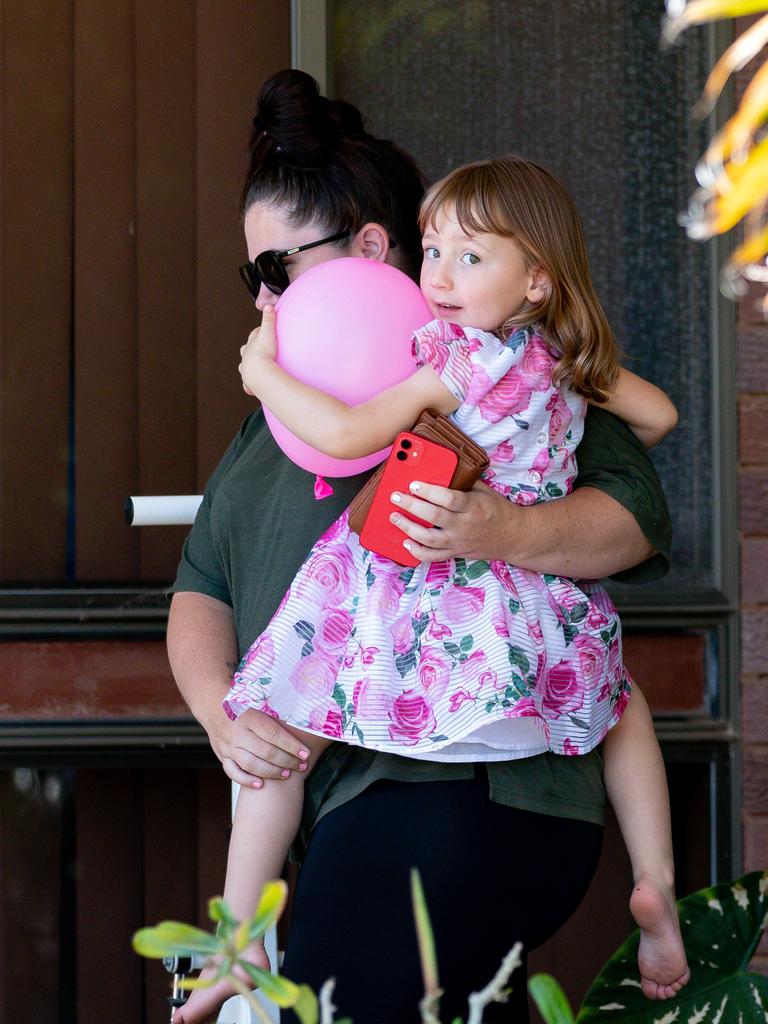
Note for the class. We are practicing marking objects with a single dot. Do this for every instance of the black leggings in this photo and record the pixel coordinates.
(491, 874)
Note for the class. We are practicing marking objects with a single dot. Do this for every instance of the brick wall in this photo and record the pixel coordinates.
(752, 352)
(752, 384)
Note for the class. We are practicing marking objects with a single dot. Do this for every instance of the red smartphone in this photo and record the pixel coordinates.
(411, 458)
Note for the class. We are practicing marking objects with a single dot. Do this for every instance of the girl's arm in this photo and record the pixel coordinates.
(318, 419)
(646, 409)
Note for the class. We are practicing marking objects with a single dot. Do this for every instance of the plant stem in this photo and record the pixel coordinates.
(494, 990)
(327, 1008)
(251, 998)
(428, 1007)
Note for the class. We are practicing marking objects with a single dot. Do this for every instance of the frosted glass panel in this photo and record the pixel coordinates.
(583, 87)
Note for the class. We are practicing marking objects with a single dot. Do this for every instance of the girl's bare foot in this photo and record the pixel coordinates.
(661, 956)
(204, 1004)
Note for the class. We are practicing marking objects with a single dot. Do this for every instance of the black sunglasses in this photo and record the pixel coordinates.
(268, 267)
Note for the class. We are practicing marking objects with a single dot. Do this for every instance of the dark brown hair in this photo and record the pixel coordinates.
(314, 156)
(516, 198)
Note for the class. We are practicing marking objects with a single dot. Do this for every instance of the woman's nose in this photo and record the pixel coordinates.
(264, 298)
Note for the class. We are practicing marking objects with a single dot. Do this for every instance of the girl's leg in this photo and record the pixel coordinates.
(266, 821)
(491, 874)
(637, 788)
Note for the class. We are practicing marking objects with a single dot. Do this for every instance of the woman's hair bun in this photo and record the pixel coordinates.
(304, 125)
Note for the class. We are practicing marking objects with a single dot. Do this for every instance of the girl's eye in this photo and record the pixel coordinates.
(431, 252)
(470, 258)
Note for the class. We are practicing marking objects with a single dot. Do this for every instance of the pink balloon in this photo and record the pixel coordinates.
(345, 327)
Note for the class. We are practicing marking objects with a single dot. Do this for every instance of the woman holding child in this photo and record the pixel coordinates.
(506, 849)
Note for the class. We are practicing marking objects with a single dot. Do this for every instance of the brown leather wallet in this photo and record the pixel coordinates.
(473, 461)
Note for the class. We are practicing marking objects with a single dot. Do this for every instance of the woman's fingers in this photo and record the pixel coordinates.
(466, 524)
(437, 505)
(234, 772)
(260, 747)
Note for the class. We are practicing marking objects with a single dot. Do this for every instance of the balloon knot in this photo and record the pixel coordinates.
(322, 488)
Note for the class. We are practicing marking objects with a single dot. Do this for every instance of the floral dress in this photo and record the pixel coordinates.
(461, 660)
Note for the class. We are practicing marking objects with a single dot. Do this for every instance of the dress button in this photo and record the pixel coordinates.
(542, 437)
(534, 476)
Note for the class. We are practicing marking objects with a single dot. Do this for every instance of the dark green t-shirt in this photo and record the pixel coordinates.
(257, 523)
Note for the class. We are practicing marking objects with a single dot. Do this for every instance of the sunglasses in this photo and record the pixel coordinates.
(268, 267)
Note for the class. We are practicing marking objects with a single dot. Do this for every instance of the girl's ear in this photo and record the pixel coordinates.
(371, 242)
(539, 286)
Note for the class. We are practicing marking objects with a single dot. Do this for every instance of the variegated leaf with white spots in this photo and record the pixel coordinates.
(721, 928)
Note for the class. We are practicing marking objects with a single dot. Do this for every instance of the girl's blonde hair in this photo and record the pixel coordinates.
(516, 198)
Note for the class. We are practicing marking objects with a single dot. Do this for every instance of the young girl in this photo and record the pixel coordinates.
(466, 659)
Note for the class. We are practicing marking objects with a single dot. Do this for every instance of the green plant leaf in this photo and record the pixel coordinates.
(219, 911)
(172, 938)
(551, 1001)
(721, 927)
(277, 989)
(306, 1008)
(424, 934)
(273, 897)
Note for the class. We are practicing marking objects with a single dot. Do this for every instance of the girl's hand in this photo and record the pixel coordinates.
(261, 345)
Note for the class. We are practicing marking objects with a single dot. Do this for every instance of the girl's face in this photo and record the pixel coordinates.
(475, 280)
(269, 227)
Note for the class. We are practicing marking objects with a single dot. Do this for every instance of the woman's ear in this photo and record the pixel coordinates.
(371, 242)
(539, 286)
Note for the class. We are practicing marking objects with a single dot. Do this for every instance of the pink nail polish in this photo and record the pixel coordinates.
(285, 774)
(302, 767)
(304, 754)
(257, 783)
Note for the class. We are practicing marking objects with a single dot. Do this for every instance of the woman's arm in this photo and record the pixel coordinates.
(615, 522)
(646, 409)
(587, 535)
(202, 650)
(337, 429)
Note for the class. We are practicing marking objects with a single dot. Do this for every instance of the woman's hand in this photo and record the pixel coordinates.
(256, 747)
(202, 648)
(261, 345)
(468, 524)
(585, 535)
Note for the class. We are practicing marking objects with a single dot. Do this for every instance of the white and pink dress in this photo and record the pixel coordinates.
(462, 660)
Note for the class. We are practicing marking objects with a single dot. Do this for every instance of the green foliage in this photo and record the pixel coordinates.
(172, 938)
(425, 935)
(551, 1001)
(223, 950)
(721, 928)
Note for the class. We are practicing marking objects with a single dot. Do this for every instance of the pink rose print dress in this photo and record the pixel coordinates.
(462, 660)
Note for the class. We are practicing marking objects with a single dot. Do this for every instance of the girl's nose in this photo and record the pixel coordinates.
(439, 278)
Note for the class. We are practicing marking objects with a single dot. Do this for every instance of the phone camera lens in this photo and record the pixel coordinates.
(405, 443)
(402, 456)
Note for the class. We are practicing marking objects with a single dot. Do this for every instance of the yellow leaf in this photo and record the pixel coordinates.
(737, 56)
(738, 134)
(695, 12)
(747, 189)
(752, 250)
